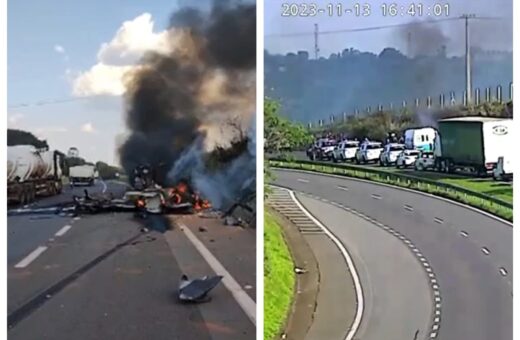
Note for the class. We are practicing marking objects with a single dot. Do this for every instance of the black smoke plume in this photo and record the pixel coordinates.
(188, 107)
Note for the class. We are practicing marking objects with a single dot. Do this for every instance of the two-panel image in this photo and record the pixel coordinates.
(227, 169)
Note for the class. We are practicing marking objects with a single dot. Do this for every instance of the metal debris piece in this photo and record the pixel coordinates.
(196, 290)
(232, 221)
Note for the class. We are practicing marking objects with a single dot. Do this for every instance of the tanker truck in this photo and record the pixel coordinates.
(32, 173)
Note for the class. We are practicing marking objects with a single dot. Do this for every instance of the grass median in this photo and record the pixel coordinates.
(279, 277)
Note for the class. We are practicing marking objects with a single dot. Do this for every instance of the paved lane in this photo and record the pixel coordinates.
(105, 279)
(476, 295)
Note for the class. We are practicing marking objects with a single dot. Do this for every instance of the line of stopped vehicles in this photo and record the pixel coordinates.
(481, 146)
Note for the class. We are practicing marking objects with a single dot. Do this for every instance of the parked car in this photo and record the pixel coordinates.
(345, 151)
(390, 153)
(369, 152)
(406, 158)
(425, 161)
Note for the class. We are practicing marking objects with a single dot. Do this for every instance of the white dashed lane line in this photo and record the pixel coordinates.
(31, 257)
(463, 233)
(408, 207)
(342, 188)
(438, 220)
(503, 271)
(63, 230)
(303, 180)
(377, 197)
(485, 250)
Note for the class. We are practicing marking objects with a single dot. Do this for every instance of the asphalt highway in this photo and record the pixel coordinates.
(101, 277)
(469, 254)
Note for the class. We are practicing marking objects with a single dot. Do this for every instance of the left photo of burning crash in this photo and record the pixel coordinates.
(131, 169)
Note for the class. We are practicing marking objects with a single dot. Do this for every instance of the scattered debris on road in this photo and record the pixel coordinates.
(298, 270)
(196, 290)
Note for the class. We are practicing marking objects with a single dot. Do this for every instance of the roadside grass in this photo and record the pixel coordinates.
(279, 277)
(500, 190)
(359, 172)
(486, 186)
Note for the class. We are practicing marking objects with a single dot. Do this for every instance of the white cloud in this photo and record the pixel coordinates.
(88, 128)
(120, 56)
(59, 49)
(14, 118)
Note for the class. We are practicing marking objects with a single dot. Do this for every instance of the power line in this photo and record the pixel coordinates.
(373, 28)
(48, 102)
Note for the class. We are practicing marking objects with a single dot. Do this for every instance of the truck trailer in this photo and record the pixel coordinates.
(472, 143)
(32, 173)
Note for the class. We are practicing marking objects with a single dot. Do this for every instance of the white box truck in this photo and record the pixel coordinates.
(82, 175)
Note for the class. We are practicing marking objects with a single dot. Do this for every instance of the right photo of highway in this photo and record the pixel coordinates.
(388, 171)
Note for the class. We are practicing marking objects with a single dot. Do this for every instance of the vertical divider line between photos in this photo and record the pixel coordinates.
(516, 189)
(3, 178)
(259, 169)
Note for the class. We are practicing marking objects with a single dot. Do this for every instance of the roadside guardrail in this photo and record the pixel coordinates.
(475, 199)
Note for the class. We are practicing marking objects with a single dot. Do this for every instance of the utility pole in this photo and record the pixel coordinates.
(316, 46)
(466, 18)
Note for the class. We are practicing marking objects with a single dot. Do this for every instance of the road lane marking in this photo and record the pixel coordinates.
(355, 277)
(104, 186)
(243, 299)
(342, 188)
(408, 207)
(463, 233)
(31, 257)
(404, 189)
(377, 197)
(503, 271)
(485, 250)
(63, 230)
(419, 255)
(438, 220)
(303, 180)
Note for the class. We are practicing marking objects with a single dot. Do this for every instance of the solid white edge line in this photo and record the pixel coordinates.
(243, 299)
(104, 186)
(357, 284)
(31, 257)
(63, 230)
(346, 178)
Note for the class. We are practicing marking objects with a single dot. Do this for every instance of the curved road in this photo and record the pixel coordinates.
(469, 252)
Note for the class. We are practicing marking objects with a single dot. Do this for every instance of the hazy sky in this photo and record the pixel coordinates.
(77, 50)
(489, 34)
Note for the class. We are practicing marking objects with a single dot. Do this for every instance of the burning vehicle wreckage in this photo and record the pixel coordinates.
(155, 200)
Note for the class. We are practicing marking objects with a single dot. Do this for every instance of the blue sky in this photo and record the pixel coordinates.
(50, 43)
(490, 34)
